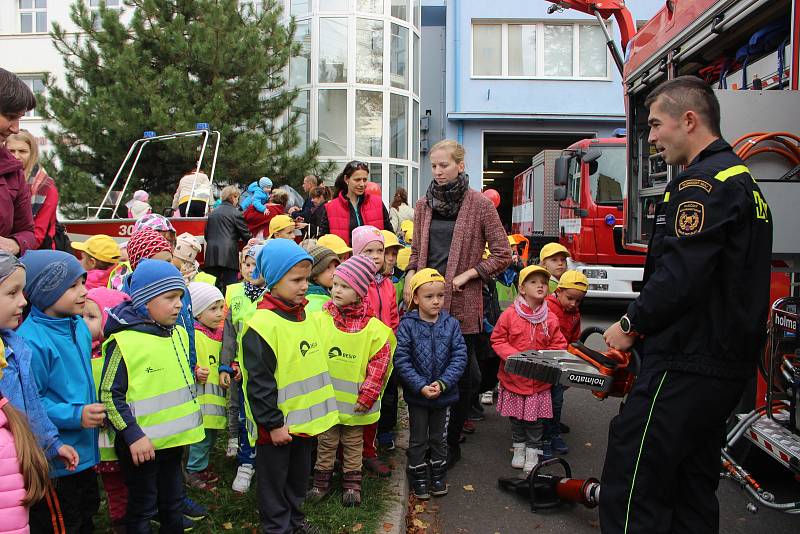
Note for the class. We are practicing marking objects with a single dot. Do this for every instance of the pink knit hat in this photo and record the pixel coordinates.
(358, 272)
(364, 235)
(106, 299)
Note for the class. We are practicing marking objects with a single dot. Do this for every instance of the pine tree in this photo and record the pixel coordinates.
(176, 63)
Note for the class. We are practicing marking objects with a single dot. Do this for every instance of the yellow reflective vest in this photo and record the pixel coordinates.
(315, 303)
(305, 393)
(210, 395)
(106, 436)
(205, 278)
(160, 386)
(348, 355)
(240, 306)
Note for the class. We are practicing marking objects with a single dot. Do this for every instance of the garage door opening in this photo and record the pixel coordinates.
(509, 153)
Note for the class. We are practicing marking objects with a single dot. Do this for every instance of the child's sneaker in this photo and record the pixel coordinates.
(193, 510)
(531, 460)
(547, 450)
(188, 524)
(233, 448)
(199, 480)
(307, 528)
(469, 427)
(519, 456)
(386, 441)
(559, 445)
(377, 467)
(487, 398)
(241, 484)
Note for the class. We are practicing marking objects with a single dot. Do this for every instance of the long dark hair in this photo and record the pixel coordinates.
(400, 197)
(347, 172)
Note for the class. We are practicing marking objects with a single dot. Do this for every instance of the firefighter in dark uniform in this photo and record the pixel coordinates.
(699, 322)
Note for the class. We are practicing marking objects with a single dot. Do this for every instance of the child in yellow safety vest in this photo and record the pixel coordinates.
(98, 302)
(240, 300)
(288, 396)
(359, 352)
(147, 388)
(212, 379)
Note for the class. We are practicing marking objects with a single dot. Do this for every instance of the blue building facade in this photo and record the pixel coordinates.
(508, 80)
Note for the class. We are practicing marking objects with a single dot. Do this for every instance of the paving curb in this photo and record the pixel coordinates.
(398, 488)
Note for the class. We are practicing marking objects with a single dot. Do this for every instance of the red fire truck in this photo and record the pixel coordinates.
(576, 197)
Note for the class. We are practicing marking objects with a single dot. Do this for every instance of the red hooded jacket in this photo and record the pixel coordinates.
(16, 218)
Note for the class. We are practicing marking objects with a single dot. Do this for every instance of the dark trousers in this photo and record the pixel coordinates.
(155, 490)
(662, 464)
(427, 430)
(224, 276)
(282, 474)
(197, 208)
(70, 507)
(551, 428)
(467, 388)
(388, 419)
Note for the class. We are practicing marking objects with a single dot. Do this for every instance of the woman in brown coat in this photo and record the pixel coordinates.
(452, 226)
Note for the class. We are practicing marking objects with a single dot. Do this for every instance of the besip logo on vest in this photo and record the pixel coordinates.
(336, 352)
(305, 346)
(149, 370)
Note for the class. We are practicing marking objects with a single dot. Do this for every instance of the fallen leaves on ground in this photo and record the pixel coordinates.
(469, 487)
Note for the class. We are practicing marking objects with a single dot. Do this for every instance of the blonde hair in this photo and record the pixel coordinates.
(32, 462)
(279, 196)
(228, 192)
(26, 137)
(454, 148)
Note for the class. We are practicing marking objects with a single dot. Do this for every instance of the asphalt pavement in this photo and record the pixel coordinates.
(476, 505)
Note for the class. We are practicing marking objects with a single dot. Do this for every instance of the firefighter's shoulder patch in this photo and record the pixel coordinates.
(695, 182)
(689, 219)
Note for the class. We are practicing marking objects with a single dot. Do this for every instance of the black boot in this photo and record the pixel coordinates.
(418, 477)
(438, 472)
(453, 455)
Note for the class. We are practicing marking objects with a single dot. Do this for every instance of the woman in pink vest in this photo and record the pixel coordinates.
(351, 207)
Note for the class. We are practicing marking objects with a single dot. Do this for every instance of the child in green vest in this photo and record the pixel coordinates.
(288, 396)
(147, 388)
(213, 379)
(240, 301)
(99, 301)
(321, 280)
(359, 352)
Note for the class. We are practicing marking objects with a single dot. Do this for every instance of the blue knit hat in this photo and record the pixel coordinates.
(264, 181)
(152, 278)
(49, 274)
(276, 258)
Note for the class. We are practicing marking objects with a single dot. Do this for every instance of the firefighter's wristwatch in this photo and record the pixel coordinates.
(626, 326)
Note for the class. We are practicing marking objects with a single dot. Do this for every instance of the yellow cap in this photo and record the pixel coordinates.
(335, 243)
(407, 227)
(551, 249)
(574, 280)
(390, 239)
(279, 222)
(425, 276)
(100, 247)
(512, 240)
(532, 269)
(402, 257)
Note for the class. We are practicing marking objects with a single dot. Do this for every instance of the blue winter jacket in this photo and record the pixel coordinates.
(427, 352)
(19, 387)
(62, 350)
(255, 196)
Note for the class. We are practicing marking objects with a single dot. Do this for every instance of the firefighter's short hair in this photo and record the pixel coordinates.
(688, 93)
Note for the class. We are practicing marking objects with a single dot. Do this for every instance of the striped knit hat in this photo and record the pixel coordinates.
(151, 279)
(358, 272)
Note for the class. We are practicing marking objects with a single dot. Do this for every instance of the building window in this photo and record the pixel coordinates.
(299, 8)
(370, 6)
(33, 16)
(539, 50)
(248, 8)
(398, 71)
(333, 5)
(94, 5)
(332, 122)
(35, 84)
(300, 65)
(400, 9)
(301, 108)
(398, 177)
(369, 51)
(369, 124)
(487, 50)
(398, 126)
(333, 50)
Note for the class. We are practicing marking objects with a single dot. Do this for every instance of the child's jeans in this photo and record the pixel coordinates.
(551, 425)
(527, 432)
(427, 430)
(247, 453)
(155, 490)
(352, 440)
(199, 452)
